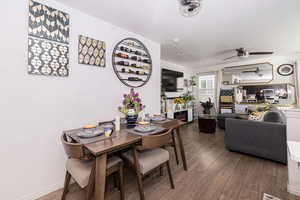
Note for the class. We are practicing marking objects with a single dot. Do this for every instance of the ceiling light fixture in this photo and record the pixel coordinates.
(189, 8)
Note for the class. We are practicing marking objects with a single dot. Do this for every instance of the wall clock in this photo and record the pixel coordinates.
(285, 70)
(132, 62)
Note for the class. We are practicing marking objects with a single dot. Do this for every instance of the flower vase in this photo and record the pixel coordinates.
(184, 106)
(177, 107)
(131, 120)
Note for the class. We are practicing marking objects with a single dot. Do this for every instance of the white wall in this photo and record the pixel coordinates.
(36, 109)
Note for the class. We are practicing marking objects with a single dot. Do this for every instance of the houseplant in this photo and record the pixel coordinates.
(131, 107)
(188, 98)
(207, 106)
(177, 101)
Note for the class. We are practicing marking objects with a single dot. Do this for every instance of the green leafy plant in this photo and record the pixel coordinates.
(131, 101)
(188, 97)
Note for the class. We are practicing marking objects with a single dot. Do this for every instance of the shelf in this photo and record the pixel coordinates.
(133, 81)
(124, 72)
(132, 53)
(132, 60)
(137, 47)
(133, 73)
(131, 67)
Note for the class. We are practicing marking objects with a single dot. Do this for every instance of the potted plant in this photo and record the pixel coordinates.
(177, 102)
(207, 106)
(187, 98)
(131, 107)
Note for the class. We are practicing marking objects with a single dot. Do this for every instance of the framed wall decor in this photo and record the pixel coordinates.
(132, 62)
(91, 51)
(48, 40)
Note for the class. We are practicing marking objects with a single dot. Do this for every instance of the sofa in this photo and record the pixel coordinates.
(265, 139)
(221, 118)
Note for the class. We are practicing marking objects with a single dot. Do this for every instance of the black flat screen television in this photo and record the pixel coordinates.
(169, 80)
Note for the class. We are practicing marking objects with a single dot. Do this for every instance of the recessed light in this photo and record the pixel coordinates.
(176, 40)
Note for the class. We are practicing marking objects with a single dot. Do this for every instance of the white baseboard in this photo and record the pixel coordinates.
(43, 191)
(293, 190)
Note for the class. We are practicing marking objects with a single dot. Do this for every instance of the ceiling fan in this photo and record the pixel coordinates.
(255, 71)
(243, 53)
(189, 8)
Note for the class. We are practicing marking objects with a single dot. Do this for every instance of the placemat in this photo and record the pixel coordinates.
(73, 134)
(156, 131)
(162, 122)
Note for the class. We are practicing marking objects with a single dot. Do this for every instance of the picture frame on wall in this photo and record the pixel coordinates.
(48, 40)
(91, 51)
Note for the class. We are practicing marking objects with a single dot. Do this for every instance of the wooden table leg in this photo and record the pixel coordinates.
(181, 149)
(175, 147)
(138, 174)
(100, 177)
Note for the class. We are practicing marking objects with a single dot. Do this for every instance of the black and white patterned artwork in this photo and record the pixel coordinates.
(48, 23)
(48, 39)
(47, 58)
(91, 51)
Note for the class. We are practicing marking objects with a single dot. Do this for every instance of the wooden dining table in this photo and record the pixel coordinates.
(124, 140)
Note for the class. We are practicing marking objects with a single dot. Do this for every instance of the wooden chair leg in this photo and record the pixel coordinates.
(138, 174)
(170, 175)
(116, 180)
(175, 147)
(121, 183)
(161, 171)
(91, 185)
(66, 185)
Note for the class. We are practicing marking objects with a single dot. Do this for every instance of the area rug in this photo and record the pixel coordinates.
(269, 197)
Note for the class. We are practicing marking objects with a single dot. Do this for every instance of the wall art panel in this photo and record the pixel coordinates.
(48, 23)
(47, 58)
(48, 39)
(91, 51)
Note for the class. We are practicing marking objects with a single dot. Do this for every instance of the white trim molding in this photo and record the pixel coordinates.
(293, 190)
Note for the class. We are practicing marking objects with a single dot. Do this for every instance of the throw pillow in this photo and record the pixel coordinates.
(257, 116)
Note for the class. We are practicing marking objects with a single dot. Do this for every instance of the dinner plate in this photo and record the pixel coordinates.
(145, 129)
(158, 118)
(90, 133)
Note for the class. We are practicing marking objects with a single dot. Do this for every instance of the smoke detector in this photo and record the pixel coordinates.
(189, 8)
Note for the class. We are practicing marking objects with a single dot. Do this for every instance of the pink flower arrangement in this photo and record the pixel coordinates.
(131, 101)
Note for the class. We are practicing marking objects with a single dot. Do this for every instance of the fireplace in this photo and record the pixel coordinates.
(181, 115)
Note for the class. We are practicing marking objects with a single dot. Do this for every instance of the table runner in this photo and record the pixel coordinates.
(73, 134)
(156, 131)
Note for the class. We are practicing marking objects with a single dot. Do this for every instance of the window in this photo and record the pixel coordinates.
(207, 88)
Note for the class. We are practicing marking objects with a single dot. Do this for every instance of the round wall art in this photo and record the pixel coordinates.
(285, 70)
(132, 62)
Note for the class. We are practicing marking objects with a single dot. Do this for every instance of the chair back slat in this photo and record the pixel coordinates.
(74, 150)
(156, 141)
(173, 124)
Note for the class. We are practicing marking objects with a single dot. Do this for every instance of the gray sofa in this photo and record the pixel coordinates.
(258, 138)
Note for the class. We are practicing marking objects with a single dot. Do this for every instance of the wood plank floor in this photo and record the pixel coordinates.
(214, 174)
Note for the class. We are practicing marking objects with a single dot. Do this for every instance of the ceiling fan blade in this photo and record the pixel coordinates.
(248, 71)
(261, 53)
(230, 58)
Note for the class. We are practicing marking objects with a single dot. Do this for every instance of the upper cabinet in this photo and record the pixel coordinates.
(248, 74)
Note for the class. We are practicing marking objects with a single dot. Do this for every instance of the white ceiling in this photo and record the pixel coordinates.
(204, 40)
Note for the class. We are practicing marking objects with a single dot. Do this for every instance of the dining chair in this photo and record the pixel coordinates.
(81, 167)
(150, 155)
